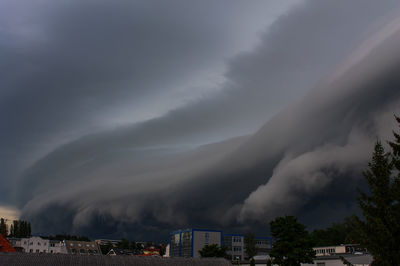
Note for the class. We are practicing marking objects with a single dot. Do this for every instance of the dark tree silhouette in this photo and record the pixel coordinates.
(293, 244)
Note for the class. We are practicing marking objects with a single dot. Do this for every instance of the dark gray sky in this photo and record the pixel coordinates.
(107, 109)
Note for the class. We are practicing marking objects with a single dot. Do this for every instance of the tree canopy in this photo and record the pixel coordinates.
(250, 245)
(3, 227)
(337, 233)
(213, 250)
(20, 228)
(293, 244)
(380, 226)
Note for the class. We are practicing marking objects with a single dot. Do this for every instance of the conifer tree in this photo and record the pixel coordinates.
(380, 227)
(3, 227)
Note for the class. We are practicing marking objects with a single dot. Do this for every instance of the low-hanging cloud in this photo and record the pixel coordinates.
(147, 177)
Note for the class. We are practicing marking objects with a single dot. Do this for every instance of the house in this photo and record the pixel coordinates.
(104, 242)
(167, 252)
(37, 244)
(120, 252)
(56, 247)
(151, 251)
(33, 244)
(81, 247)
(340, 249)
(337, 260)
(5, 245)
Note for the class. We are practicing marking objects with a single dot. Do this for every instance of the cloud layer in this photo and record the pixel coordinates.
(146, 178)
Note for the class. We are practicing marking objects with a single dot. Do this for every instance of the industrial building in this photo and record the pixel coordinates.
(188, 243)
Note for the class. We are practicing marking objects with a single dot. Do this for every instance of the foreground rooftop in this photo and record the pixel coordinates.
(22, 259)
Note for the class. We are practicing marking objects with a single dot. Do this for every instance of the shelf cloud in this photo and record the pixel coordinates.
(286, 128)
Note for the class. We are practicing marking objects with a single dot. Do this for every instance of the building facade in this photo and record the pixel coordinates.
(188, 243)
(34, 244)
(37, 244)
(235, 246)
(341, 249)
(81, 247)
(263, 245)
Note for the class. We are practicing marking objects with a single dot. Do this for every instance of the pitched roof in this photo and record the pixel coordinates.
(5, 246)
(28, 259)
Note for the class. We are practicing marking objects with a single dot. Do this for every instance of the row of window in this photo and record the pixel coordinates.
(237, 248)
(237, 239)
(38, 251)
(325, 251)
(82, 251)
(38, 243)
(80, 245)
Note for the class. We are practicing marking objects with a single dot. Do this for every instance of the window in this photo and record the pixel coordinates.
(237, 248)
(82, 251)
(31, 251)
(207, 238)
(73, 251)
(237, 239)
(51, 251)
(37, 251)
(38, 243)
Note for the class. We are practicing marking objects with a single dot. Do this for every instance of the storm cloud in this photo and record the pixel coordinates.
(309, 100)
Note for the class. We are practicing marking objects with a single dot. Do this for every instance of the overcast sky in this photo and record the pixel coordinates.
(125, 114)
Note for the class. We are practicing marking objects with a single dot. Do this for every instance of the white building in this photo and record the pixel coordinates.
(56, 246)
(37, 244)
(336, 260)
(167, 251)
(34, 244)
(341, 249)
(235, 246)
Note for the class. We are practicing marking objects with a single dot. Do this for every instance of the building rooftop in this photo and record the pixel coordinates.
(26, 259)
(5, 246)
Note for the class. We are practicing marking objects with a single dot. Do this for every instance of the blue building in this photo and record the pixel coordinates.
(188, 243)
(235, 245)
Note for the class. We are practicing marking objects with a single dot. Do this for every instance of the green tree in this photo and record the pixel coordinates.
(20, 228)
(380, 228)
(213, 250)
(3, 227)
(250, 245)
(293, 244)
(124, 244)
(337, 233)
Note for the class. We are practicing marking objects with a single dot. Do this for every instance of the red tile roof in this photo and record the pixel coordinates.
(5, 246)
